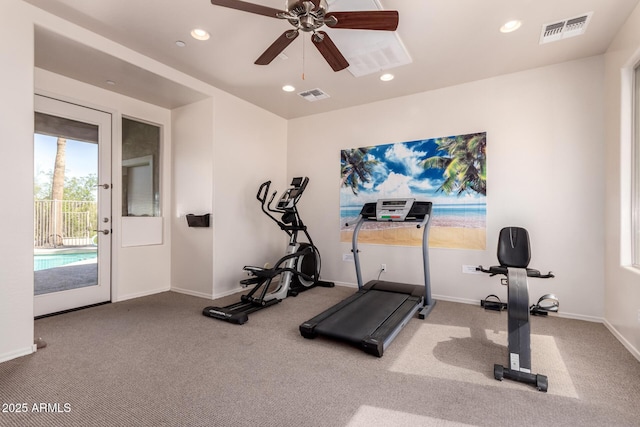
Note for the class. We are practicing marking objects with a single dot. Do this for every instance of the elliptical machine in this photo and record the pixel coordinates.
(298, 270)
(514, 254)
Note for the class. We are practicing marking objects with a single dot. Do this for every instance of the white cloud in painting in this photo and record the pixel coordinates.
(367, 185)
(422, 185)
(410, 159)
(396, 185)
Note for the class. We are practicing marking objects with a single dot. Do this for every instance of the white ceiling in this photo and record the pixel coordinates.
(450, 42)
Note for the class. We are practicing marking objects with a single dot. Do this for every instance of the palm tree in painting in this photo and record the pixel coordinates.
(465, 164)
(355, 168)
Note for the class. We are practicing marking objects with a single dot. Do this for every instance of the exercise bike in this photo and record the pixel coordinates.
(514, 254)
(298, 270)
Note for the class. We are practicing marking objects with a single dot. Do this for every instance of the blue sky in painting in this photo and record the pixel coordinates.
(399, 174)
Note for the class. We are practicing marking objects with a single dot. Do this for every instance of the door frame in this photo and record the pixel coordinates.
(103, 292)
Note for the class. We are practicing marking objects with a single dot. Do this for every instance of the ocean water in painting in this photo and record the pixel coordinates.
(463, 216)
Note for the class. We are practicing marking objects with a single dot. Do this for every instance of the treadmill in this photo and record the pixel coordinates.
(373, 316)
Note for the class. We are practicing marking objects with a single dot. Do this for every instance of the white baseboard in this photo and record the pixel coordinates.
(140, 294)
(634, 351)
(190, 292)
(345, 284)
(456, 299)
(580, 317)
(229, 292)
(15, 354)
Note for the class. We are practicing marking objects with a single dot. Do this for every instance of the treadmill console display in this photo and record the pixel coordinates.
(393, 209)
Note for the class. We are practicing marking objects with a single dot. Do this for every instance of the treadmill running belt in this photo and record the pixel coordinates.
(362, 317)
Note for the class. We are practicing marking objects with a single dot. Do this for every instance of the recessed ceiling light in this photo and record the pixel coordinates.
(386, 77)
(510, 26)
(288, 88)
(180, 43)
(199, 34)
(110, 82)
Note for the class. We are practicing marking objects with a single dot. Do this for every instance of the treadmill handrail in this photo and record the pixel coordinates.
(424, 223)
(354, 249)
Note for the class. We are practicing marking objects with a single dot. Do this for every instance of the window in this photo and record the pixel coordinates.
(140, 168)
(636, 168)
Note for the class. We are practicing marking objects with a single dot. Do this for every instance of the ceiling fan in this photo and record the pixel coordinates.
(310, 16)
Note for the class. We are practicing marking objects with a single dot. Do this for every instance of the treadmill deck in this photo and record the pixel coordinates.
(371, 318)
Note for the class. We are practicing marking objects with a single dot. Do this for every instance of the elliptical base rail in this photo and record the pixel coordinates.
(237, 313)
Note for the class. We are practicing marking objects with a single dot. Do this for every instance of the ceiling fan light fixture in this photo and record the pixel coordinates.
(511, 26)
(200, 34)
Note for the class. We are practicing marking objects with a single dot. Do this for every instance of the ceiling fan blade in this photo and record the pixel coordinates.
(276, 47)
(248, 7)
(329, 50)
(386, 20)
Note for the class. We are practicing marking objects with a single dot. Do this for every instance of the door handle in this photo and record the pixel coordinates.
(105, 186)
(105, 232)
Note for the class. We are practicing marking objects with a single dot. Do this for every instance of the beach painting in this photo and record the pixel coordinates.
(449, 171)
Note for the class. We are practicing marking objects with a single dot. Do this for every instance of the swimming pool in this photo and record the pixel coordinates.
(42, 262)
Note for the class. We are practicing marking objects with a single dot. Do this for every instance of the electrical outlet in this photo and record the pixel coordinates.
(347, 257)
(470, 269)
(383, 268)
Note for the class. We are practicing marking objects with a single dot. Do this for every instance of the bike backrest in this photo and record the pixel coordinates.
(514, 249)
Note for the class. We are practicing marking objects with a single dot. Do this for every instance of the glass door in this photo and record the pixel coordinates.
(72, 206)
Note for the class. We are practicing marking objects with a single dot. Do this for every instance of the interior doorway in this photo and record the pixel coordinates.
(72, 206)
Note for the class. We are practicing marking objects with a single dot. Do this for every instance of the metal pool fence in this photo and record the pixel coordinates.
(64, 223)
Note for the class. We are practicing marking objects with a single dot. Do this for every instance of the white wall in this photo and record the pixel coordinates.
(250, 147)
(16, 154)
(224, 149)
(545, 147)
(622, 282)
(192, 163)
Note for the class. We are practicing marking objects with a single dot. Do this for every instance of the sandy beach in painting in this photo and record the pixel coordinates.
(439, 237)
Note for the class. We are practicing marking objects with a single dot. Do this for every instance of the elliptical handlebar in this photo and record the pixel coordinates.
(263, 191)
(269, 208)
(286, 204)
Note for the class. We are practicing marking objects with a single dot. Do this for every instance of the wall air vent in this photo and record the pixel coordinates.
(313, 95)
(564, 29)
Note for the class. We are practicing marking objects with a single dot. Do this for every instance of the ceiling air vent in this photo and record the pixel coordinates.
(564, 29)
(313, 95)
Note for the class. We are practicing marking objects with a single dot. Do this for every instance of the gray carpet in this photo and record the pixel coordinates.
(157, 361)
